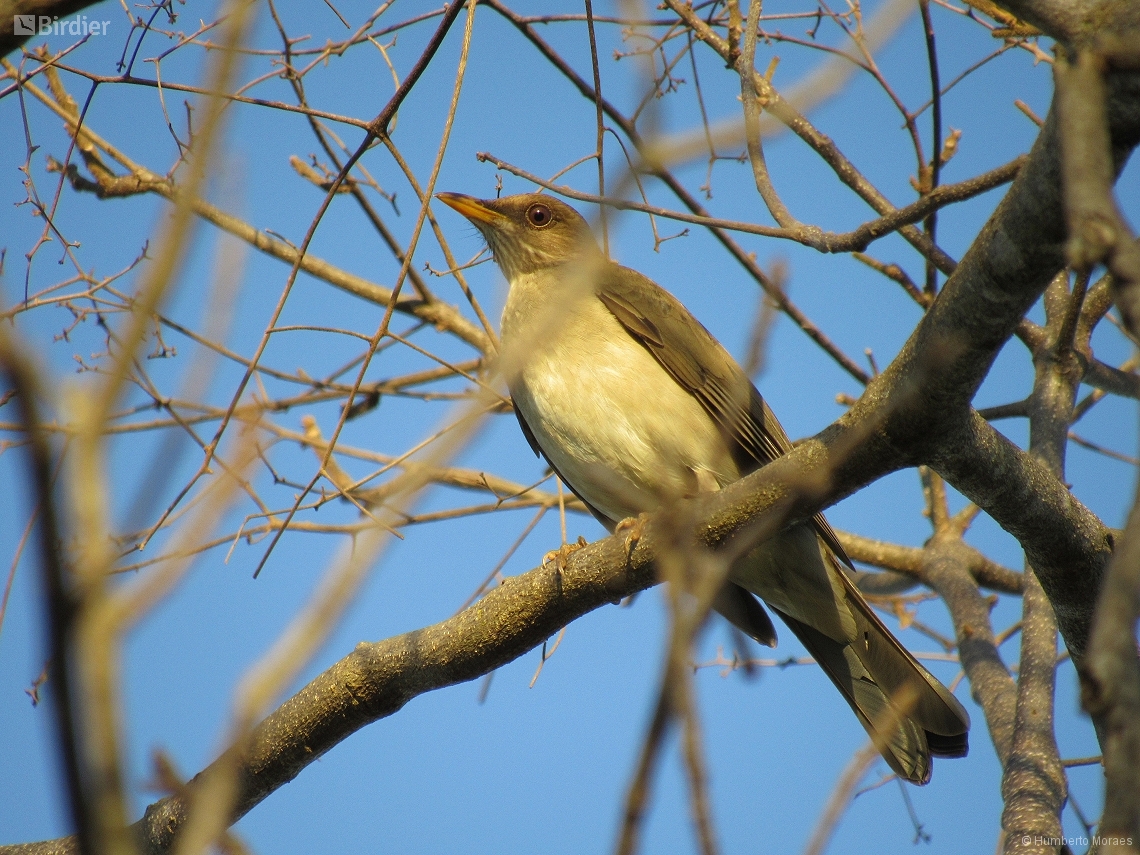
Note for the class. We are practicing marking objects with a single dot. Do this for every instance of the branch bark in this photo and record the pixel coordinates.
(1110, 691)
(1005, 271)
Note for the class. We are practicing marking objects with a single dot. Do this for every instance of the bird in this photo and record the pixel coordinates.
(634, 405)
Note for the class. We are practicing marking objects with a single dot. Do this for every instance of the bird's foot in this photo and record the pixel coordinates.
(633, 527)
(560, 555)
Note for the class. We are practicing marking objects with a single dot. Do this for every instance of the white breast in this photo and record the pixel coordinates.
(605, 413)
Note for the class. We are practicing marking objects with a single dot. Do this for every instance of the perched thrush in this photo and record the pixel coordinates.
(635, 404)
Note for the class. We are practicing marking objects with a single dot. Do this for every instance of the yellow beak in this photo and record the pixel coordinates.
(470, 207)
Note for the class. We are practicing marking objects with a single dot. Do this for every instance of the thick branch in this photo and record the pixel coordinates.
(1075, 21)
(909, 560)
(944, 569)
(1033, 786)
(377, 679)
(1002, 275)
(1110, 688)
(1065, 543)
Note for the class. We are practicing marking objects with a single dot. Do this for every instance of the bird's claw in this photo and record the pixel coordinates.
(560, 555)
(633, 527)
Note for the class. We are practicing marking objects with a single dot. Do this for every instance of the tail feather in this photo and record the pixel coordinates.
(907, 712)
(903, 744)
(948, 746)
(894, 668)
(746, 613)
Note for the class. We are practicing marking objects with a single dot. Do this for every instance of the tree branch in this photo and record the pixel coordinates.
(1110, 689)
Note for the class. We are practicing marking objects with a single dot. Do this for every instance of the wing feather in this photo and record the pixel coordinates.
(701, 366)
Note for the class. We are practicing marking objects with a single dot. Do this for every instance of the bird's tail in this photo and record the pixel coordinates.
(907, 712)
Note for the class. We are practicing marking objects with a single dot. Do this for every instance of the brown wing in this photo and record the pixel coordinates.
(701, 366)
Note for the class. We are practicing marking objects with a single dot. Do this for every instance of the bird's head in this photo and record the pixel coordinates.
(528, 232)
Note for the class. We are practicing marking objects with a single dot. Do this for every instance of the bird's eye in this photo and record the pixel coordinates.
(539, 215)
